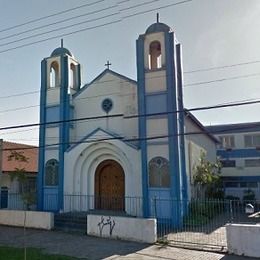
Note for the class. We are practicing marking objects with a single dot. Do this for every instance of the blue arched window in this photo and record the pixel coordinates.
(159, 174)
(51, 172)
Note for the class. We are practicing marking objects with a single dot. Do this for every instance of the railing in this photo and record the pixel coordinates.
(194, 221)
(200, 222)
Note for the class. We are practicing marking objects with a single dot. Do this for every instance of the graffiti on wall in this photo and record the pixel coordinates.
(106, 221)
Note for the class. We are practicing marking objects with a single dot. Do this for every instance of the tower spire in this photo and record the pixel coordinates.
(61, 43)
(157, 17)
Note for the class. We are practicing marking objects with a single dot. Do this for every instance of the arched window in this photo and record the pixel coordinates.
(159, 174)
(51, 172)
(54, 74)
(72, 75)
(155, 55)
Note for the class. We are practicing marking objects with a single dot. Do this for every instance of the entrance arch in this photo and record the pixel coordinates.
(110, 186)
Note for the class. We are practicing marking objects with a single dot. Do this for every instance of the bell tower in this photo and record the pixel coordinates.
(60, 79)
(161, 120)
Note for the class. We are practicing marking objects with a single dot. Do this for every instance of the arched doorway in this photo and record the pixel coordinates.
(110, 186)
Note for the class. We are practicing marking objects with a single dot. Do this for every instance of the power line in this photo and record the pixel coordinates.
(137, 139)
(128, 117)
(222, 67)
(223, 79)
(51, 15)
(150, 77)
(54, 23)
(92, 27)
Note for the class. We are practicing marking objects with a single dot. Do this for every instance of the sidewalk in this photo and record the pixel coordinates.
(91, 248)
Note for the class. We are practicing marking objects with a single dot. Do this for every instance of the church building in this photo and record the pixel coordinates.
(118, 142)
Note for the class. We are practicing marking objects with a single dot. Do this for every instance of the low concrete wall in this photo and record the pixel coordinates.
(243, 239)
(126, 228)
(33, 219)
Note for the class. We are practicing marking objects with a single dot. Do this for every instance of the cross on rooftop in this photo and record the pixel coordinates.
(108, 64)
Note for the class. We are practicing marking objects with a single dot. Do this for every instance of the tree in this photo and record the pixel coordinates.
(21, 176)
(207, 178)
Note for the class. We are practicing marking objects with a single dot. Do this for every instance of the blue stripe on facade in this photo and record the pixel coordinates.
(172, 125)
(156, 103)
(238, 153)
(241, 178)
(40, 176)
(172, 118)
(64, 126)
(181, 119)
(142, 121)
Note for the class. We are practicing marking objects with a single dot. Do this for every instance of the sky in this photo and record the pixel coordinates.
(213, 33)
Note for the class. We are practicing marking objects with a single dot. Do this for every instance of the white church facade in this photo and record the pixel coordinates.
(116, 140)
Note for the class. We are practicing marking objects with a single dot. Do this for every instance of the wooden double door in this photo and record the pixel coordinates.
(110, 186)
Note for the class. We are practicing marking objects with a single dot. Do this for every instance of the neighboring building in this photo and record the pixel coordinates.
(13, 187)
(133, 147)
(239, 152)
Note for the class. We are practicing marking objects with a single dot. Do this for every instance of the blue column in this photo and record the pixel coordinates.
(142, 121)
(40, 176)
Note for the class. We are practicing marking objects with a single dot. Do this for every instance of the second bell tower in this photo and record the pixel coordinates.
(60, 78)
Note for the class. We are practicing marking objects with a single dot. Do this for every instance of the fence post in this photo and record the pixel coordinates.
(231, 210)
(155, 207)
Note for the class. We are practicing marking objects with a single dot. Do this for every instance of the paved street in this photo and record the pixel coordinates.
(92, 248)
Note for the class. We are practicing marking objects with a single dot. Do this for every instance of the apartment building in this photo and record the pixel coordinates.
(239, 153)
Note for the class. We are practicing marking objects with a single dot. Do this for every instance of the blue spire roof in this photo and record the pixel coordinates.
(60, 51)
(158, 27)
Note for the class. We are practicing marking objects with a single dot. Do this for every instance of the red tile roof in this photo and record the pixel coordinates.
(30, 152)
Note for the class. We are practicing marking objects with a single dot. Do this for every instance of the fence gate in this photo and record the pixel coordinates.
(4, 197)
(202, 224)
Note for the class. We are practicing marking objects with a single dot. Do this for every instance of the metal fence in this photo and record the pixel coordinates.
(202, 222)
(192, 222)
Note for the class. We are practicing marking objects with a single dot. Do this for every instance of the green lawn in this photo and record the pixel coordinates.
(11, 253)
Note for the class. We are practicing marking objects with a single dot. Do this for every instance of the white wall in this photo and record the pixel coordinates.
(132, 229)
(194, 145)
(243, 239)
(32, 219)
(82, 161)
(89, 104)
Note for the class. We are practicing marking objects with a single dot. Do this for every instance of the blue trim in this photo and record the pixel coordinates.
(142, 121)
(100, 76)
(239, 153)
(114, 135)
(241, 178)
(172, 118)
(181, 123)
(156, 104)
(173, 127)
(156, 93)
(234, 128)
(79, 77)
(64, 126)
(157, 142)
(41, 164)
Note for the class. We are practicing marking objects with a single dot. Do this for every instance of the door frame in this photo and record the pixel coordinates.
(98, 196)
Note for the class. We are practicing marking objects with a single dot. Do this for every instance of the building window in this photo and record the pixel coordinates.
(107, 105)
(249, 184)
(155, 55)
(252, 140)
(159, 174)
(51, 172)
(252, 163)
(228, 163)
(232, 184)
(227, 141)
